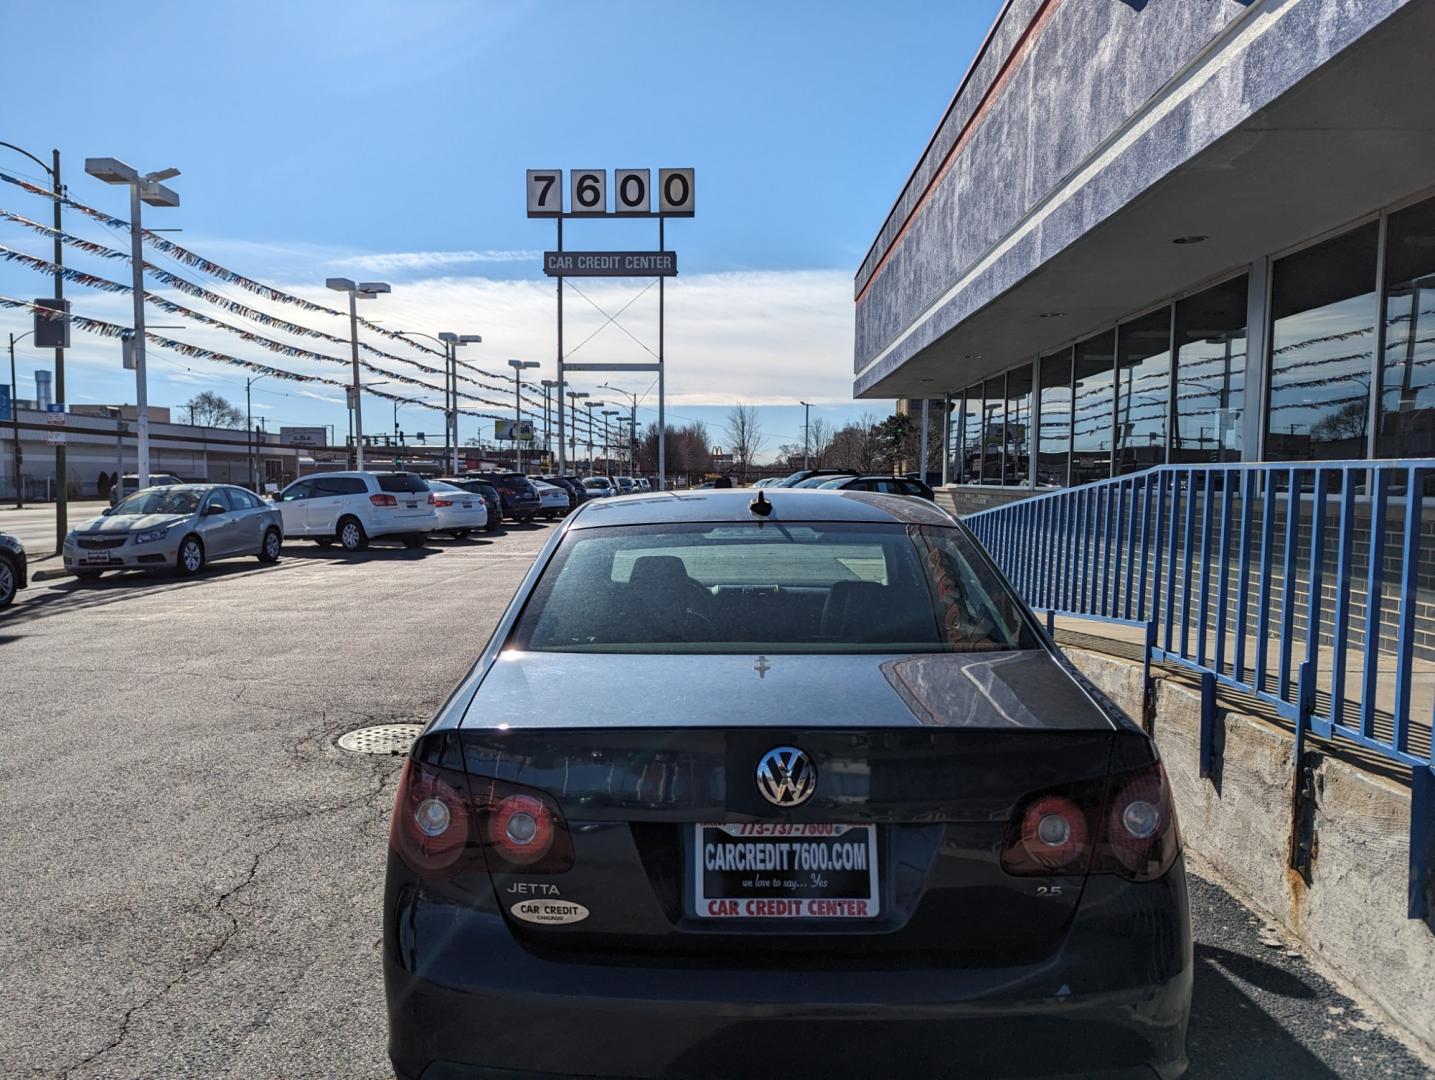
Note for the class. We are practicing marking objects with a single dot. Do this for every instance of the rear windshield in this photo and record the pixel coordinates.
(809, 588)
(401, 482)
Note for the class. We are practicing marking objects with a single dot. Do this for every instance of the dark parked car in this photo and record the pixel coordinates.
(793, 479)
(14, 568)
(518, 496)
(571, 484)
(841, 809)
(819, 480)
(491, 499)
(886, 485)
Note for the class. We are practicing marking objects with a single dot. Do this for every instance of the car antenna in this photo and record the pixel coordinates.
(760, 506)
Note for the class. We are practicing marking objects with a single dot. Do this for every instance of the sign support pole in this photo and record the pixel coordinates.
(562, 453)
(662, 419)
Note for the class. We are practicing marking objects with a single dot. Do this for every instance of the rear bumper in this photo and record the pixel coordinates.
(466, 1000)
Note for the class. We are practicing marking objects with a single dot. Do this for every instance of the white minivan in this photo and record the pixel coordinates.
(353, 508)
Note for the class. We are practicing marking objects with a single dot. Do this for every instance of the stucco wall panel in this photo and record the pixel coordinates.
(1092, 67)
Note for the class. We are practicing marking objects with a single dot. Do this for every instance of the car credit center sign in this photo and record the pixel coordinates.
(610, 263)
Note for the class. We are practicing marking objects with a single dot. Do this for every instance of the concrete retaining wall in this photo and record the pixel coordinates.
(1352, 913)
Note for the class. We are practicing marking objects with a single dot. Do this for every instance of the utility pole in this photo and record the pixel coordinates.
(806, 443)
(248, 425)
(518, 367)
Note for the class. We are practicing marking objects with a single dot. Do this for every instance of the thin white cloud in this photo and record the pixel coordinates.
(388, 262)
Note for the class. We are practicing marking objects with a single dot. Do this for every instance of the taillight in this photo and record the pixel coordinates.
(520, 828)
(431, 501)
(430, 827)
(442, 822)
(1140, 837)
(383, 500)
(440, 502)
(1123, 825)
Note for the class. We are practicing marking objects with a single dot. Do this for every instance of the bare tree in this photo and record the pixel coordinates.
(819, 442)
(744, 436)
(208, 409)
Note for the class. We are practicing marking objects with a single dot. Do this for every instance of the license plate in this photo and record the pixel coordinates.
(780, 870)
(99, 558)
(467, 506)
(411, 505)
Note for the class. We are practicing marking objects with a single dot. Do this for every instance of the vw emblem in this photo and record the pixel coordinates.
(786, 776)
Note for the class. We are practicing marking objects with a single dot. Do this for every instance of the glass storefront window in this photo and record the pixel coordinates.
(1322, 340)
(1210, 374)
(1018, 426)
(969, 439)
(994, 430)
(1407, 378)
(1053, 446)
(1143, 387)
(1091, 431)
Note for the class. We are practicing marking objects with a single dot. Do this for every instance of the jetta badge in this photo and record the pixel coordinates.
(786, 776)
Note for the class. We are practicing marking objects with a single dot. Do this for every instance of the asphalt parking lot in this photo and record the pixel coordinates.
(192, 869)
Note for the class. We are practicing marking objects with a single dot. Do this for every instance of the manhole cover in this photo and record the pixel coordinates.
(381, 739)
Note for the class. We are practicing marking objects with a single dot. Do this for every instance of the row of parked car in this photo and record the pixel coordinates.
(847, 480)
(173, 525)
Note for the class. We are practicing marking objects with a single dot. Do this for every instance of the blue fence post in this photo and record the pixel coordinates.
(1405, 638)
(1208, 723)
(1148, 685)
(1374, 587)
(1422, 841)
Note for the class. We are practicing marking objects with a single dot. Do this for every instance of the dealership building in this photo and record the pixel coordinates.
(1151, 231)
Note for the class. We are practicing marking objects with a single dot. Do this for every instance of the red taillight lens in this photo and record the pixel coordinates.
(521, 829)
(443, 821)
(1124, 825)
(440, 502)
(1053, 833)
(430, 826)
(383, 500)
(431, 501)
(1140, 836)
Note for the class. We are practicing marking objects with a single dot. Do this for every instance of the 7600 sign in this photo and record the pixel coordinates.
(632, 193)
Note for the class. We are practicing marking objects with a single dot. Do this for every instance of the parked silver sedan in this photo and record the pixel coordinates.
(179, 527)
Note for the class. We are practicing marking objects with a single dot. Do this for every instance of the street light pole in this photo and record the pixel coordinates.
(806, 441)
(248, 425)
(518, 367)
(607, 437)
(143, 189)
(573, 396)
(364, 290)
(548, 385)
(590, 405)
(15, 417)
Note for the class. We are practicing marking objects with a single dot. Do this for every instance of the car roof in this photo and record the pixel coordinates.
(731, 504)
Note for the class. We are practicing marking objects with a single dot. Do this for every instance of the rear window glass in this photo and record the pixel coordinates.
(339, 485)
(401, 482)
(815, 588)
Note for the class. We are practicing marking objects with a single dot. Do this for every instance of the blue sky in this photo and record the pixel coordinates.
(389, 140)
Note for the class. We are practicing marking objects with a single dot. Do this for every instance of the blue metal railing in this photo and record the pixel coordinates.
(1303, 585)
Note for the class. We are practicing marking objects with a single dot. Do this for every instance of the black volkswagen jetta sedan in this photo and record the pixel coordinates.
(839, 809)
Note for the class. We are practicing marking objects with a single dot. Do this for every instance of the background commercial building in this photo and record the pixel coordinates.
(1157, 230)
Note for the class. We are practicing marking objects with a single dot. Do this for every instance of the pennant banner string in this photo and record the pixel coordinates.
(236, 308)
(115, 330)
(93, 281)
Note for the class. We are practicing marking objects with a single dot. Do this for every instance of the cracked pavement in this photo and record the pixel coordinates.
(192, 872)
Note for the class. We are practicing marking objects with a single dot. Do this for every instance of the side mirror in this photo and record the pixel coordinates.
(214, 508)
(107, 511)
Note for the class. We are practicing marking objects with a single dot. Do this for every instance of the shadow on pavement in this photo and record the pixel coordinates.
(63, 595)
(1231, 1034)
